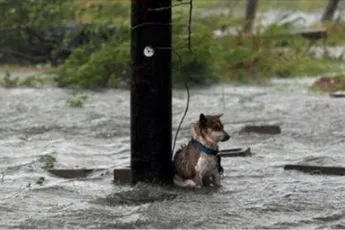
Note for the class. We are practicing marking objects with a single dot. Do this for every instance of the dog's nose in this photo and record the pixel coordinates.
(226, 137)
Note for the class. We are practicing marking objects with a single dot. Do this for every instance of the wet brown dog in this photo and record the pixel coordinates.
(197, 163)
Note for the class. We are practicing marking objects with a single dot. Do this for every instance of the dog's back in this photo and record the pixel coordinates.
(185, 160)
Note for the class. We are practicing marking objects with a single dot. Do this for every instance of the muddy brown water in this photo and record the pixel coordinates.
(256, 191)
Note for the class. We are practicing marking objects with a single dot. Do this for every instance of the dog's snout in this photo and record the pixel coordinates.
(226, 136)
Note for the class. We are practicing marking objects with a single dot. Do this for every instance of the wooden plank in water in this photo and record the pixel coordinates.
(123, 176)
(337, 94)
(319, 170)
(72, 173)
(261, 129)
(235, 152)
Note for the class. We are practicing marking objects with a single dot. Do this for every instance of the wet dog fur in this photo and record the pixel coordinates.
(196, 168)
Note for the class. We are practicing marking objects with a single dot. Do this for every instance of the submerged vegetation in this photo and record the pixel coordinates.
(10, 81)
(76, 100)
(104, 60)
(48, 160)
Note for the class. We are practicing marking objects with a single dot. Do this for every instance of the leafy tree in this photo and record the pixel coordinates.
(27, 27)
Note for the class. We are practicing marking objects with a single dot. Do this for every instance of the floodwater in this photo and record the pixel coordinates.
(256, 192)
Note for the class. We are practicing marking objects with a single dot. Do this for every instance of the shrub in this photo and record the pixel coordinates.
(92, 66)
(107, 64)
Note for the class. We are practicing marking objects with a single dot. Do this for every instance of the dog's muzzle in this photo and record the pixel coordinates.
(225, 137)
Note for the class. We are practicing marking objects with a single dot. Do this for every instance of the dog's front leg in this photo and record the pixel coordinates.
(200, 169)
(216, 178)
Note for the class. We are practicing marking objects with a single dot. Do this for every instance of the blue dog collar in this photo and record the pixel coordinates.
(203, 148)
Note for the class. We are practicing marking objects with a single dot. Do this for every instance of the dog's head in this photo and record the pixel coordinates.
(212, 128)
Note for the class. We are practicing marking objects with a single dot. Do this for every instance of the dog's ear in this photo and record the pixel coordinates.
(220, 115)
(202, 120)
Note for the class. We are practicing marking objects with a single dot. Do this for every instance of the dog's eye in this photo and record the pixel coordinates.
(218, 127)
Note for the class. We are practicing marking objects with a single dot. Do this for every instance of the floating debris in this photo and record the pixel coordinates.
(235, 152)
(317, 170)
(261, 129)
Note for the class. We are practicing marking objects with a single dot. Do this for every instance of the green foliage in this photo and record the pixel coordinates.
(35, 12)
(192, 59)
(8, 81)
(108, 64)
(38, 16)
(336, 34)
(76, 100)
(235, 57)
(105, 63)
(33, 81)
(329, 84)
(97, 64)
(101, 12)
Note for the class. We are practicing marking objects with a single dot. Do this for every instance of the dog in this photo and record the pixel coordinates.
(197, 163)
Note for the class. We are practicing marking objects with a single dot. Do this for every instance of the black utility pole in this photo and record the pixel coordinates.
(151, 103)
